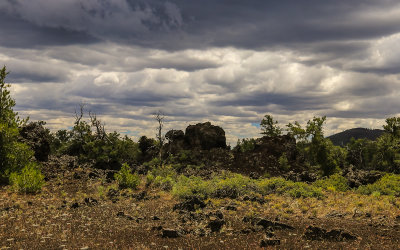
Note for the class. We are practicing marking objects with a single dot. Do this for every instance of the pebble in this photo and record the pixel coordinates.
(11, 239)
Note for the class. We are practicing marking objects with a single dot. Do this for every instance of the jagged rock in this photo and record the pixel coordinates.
(269, 242)
(304, 176)
(75, 205)
(190, 204)
(170, 233)
(90, 201)
(216, 224)
(357, 177)
(205, 136)
(316, 233)
(174, 135)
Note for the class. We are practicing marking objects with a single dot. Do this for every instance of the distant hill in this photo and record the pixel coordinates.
(342, 138)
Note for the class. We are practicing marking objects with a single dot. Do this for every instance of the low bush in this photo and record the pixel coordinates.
(162, 177)
(279, 185)
(126, 179)
(29, 180)
(193, 186)
(335, 182)
(387, 185)
(232, 186)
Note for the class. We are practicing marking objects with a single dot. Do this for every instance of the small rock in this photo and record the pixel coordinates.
(158, 228)
(316, 233)
(216, 225)
(75, 205)
(270, 242)
(190, 204)
(231, 207)
(170, 233)
(90, 201)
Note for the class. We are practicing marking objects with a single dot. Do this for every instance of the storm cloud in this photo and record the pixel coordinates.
(230, 62)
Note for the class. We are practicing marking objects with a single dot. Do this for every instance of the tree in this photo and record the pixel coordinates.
(14, 155)
(159, 117)
(393, 126)
(269, 126)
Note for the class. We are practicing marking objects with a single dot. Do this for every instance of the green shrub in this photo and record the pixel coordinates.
(279, 185)
(335, 182)
(284, 162)
(232, 185)
(163, 177)
(29, 180)
(271, 185)
(193, 186)
(387, 185)
(126, 179)
(165, 183)
(301, 189)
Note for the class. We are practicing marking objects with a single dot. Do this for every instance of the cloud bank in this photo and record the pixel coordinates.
(229, 62)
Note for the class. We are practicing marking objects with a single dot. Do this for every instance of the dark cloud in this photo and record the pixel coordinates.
(228, 61)
(194, 24)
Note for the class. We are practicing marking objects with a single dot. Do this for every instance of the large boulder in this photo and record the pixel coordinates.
(205, 136)
(176, 141)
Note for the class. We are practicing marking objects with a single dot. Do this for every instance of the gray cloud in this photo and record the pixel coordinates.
(226, 61)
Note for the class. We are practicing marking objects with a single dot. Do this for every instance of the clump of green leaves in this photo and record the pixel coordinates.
(232, 185)
(335, 182)
(162, 177)
(387, 185)
(29, 180)
(279, 185)
(269, 126)
(193, 186)
(245, 145)
(14, 155)
(126, 179)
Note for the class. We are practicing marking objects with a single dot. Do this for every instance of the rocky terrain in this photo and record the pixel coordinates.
(81, 208)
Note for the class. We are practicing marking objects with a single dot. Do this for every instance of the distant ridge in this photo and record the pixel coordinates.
(342, 138)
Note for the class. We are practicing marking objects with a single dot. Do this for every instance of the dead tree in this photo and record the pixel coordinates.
(159, 117)
(98, 125)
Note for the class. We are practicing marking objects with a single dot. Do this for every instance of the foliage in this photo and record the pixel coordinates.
(91, 143)
(126, 179)
(245, 145)
(360, 153)
(284, 162)
(269, 126)
(387, 185)
(315, 149)
(14, 155)
(393, 126)
(335, 182)
(193, 186)
(279, 185)
(29, 180)
(231, 185)
(387, 155)
(163, 177)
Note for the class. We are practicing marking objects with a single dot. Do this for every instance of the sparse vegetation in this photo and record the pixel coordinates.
(29, 180)
(126, 179)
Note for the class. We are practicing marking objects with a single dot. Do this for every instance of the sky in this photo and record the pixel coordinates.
(227, 62)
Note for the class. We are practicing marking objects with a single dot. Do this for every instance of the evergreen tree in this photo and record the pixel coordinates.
(14, 155)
